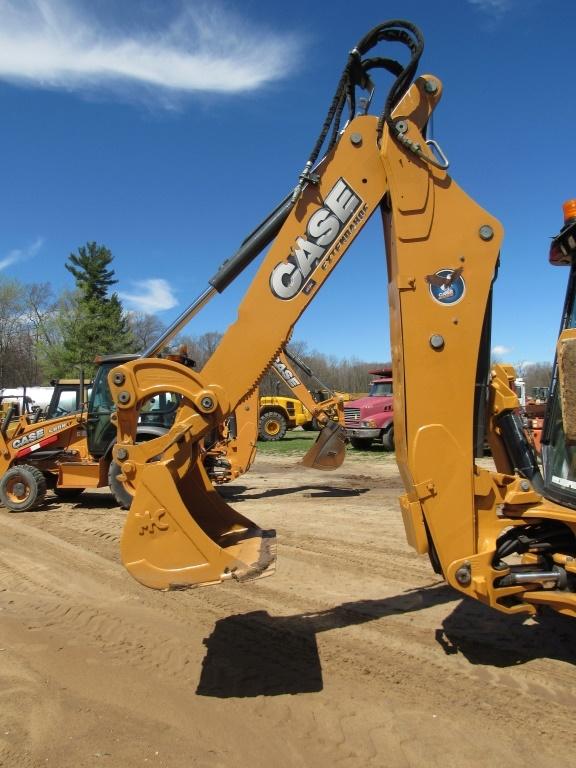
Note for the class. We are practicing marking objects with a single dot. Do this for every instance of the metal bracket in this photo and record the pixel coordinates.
(425, 490)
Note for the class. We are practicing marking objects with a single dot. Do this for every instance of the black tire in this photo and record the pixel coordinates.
(121, 494)
(388, 439)
(22, 487)
(68, 493)
(272, 426)
(361, 443)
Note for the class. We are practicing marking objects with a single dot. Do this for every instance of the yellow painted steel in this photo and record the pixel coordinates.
(179, 533)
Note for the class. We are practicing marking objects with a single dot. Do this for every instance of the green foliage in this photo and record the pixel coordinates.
(90, 322)
(296, 444)
(90, 270)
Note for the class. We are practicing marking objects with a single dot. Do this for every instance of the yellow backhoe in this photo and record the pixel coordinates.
(506, 537)
(231, 448)
(71, 450)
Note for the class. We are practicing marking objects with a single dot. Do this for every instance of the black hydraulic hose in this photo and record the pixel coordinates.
(307, 370)
(7, 419)
(252, 246)
(355, 75)
(297, 361)
(519, 450)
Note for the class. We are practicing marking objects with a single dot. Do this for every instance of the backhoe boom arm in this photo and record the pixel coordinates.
(442, 254)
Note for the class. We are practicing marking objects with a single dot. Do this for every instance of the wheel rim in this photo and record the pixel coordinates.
(272, 428)
(17, 490)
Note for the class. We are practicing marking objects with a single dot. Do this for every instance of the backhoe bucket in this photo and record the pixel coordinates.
(329, 450)
(180, 533)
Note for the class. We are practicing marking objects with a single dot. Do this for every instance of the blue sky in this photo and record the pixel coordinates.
(167, 131)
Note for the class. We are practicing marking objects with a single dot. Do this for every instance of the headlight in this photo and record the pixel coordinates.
(368, 423)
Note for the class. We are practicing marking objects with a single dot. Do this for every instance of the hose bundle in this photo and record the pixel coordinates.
(355, 75)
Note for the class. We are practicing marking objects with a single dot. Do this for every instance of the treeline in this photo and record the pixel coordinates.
(43, 336)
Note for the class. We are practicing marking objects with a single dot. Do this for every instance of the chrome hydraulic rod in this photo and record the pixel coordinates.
(156, 347)
(230, 269)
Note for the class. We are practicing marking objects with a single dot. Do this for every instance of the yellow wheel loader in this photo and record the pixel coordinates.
(278, 414)
(506, 537)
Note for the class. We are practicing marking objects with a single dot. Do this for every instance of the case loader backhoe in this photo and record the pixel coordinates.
(72, 449)
(329, 450)
(504, 537)
(69, 448)
(231, 448)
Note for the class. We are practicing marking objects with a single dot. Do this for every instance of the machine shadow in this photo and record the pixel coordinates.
(255, 654)
(486, 637)
(86, 501)
(313, 491)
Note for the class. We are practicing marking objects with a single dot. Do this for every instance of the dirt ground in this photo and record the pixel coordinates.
(353, 654)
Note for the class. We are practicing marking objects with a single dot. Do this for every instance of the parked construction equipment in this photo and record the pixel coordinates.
(506, 537)
(72, 449)
(370, 419)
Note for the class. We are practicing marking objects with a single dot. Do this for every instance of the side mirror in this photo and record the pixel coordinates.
(566, 358)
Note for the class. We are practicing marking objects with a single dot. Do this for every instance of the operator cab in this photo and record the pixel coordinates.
(558, 444)
(382, 384)
(156, 415)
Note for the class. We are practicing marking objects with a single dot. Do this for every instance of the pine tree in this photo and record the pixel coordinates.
(95, 324)
(90, 270)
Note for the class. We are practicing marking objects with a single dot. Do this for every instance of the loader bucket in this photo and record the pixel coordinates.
(180, 533)
(329, 450)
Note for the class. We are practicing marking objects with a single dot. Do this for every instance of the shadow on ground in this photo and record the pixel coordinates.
(485, 636)
(255, 654)
(238, 493)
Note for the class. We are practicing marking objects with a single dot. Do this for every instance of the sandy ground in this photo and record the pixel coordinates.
(353, 654)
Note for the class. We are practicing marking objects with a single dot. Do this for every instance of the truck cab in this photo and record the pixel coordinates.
(370, 419)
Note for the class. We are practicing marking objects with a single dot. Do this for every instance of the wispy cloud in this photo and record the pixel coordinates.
(151, 296)
(500, 351)
(493, 7)
(21, 254)
(204, 48)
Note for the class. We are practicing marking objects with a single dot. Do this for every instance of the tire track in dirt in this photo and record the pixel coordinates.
(344, 656)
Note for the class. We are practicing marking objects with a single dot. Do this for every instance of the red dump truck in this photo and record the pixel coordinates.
(370, 419)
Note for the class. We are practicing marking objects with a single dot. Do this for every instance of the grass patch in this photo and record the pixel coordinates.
(297, 442)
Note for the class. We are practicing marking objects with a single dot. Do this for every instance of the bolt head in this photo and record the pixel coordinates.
(121, 454)
(464, 576)
(437, 341)
(486, 232)
(124, 397)
(207, 403)
(525, 485)
(118, 379)
(431, 86)
(401, 126)
(356, 139)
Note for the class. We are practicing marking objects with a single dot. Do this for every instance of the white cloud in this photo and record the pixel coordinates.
(21, 254)
(500, 351)
(57, 44)
(494, 7)
(153, 295)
